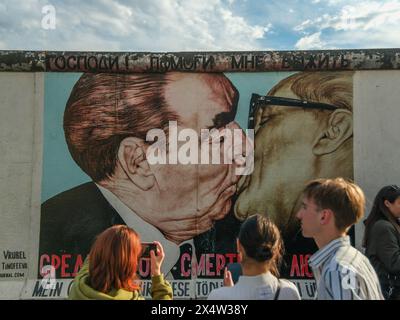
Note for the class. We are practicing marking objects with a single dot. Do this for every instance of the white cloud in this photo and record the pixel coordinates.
(268, 28)
(134, 25)
(336, 2)
(303, 25)
(311, 42)
(360, 24)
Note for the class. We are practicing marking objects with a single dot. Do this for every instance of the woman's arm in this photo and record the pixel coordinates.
(160, 288)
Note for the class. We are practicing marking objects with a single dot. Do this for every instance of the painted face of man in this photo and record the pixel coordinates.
(193, 196)
(283, 162)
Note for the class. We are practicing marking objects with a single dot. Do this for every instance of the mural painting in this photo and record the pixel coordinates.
(97, 171)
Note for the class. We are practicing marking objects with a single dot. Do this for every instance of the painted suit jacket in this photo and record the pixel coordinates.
(71, 220)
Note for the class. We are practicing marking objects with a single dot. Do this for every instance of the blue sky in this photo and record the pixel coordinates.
(200, 25)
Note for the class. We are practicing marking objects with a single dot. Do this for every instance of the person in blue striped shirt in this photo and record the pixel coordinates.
(329, 208)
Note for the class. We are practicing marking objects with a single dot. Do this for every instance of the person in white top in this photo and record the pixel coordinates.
(260, 251)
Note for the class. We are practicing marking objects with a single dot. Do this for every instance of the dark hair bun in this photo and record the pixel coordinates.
(263, 253)
(261, 241)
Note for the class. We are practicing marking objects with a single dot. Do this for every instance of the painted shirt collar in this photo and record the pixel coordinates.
(147, 232)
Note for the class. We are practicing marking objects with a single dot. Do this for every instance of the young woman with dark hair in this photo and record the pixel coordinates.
(260, 251)
(110, 271)
(382, 240)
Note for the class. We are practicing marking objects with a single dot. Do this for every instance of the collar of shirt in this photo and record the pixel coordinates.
(318, 258)
(147, 232)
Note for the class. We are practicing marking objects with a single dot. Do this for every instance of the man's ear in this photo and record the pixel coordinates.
(132, 157)
(326, 216)
(339, 129)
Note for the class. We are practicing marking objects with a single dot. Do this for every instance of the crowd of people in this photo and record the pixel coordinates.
(329, 208)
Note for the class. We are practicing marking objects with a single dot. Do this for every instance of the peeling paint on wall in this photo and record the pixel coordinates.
(252, 61)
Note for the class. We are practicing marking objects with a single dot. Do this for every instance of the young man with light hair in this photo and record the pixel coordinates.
(329, 208)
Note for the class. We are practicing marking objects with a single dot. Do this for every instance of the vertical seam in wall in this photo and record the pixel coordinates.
(31, 184)
(359, 227)
(37, 149)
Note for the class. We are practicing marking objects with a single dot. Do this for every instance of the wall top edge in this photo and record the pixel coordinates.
(210, 61)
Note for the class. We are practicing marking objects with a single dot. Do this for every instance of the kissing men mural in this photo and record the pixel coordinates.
(303, 130)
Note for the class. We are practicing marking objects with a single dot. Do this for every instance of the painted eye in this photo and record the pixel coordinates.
(264, 121)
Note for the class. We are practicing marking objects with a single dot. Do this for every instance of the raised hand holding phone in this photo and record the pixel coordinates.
(146, 248)
(156, 258)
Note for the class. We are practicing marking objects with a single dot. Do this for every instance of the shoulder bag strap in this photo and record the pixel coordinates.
(278, 290)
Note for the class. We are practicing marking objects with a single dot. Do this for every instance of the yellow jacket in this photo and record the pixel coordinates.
(81, 289)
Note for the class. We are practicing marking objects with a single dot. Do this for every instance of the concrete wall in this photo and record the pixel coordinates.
(21, 103)
(376, 158)
(376, 132)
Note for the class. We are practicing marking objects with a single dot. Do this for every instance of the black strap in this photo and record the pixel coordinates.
(278, 290)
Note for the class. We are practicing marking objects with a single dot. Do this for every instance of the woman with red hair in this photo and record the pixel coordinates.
(110, 271)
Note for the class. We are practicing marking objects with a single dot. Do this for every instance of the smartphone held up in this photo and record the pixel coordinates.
(147, 247)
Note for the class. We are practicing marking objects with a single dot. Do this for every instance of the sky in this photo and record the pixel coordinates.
(198, 25)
